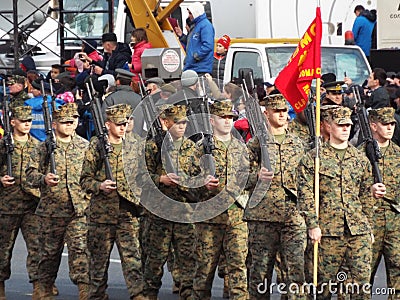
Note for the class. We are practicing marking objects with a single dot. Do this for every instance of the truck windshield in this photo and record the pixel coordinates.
(337, 60)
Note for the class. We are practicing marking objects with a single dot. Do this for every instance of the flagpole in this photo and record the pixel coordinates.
(317, 164)
(316, 172)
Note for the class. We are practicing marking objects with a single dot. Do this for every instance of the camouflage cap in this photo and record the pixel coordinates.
(66, 113)
(385, 115)
(119, 113)
(276, 101)
(22, 113)
(175, 112)
(222, 108)
(326, 111)
(16, 79)
(341, 115)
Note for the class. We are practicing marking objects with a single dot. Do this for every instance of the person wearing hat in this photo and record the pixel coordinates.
(385, 219)
(220, 57)
(334, 93)
(163, 235)
(347, 197)
(124, 94)
(37, 129)
(200, 44)
(275, 224)
(16, 85)
(116, 55)
(226, 231)
(114, 208)
(18, 201)
(62, 204)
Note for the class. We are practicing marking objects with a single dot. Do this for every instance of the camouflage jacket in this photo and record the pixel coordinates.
(301, 131)
(19, 197)
(232, 170)
(345, 196)
(66, 198)
(279, 202)
(105, 208)
(389, 165)
(183, 161)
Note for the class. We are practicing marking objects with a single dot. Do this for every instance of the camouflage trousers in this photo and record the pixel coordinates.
(162, 235)
(101, 238)
(387, 243)
(9, 227)
(53, 233)
(266, 240)
(355, 251)
(211, 240)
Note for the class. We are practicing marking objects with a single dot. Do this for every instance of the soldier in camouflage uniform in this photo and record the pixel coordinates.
(114, 209)
(227, 231)
(275, 224)
(62, 204)
(18, 201)
(346, 204)
(161, 234)
(386, 220)
(16, 85)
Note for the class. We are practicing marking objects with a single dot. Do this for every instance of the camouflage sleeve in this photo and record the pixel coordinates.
(305, 190)
(88, 180)
(149, 165)
(254, 165)
(365, 195)
(34, 170)
(2, 154)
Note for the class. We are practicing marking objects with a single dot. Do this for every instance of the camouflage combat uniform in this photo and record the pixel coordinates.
(163, 235)
(227, 231)
(61, 208)
(113, 217)
(19, 98)
(17, 206)
(300, 130)
(345, 205)
(385, 220)
(275, 225)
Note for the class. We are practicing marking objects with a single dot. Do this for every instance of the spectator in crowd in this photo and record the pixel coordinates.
(220, 57)
(183, 37)
(363, 27)
(379, 95)
(200, 47)
(139, 43)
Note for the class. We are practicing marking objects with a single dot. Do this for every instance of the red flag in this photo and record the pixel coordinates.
(294, 81)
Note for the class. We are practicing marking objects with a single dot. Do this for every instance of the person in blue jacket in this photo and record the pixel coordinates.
(200, 45)
(37, 129)
(363, 27)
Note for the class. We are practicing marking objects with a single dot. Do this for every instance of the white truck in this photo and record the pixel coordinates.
(267, 60)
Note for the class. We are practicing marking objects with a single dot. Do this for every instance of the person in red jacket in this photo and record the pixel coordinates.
(139, 43)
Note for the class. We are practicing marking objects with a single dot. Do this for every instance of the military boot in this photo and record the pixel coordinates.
(45, 291)
(54, 290)
(2, 291)
(36, 291)
(225, 292)
(83, 291)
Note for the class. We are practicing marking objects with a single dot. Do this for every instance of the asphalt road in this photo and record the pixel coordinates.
(18, 287)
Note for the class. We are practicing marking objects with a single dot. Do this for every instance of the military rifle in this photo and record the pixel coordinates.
(372, 149)
(309, 113)
(8, 138)
(208, 141)
(103, 144)
(53, 96)
(50, 142)
(257, 122)
(163, 140)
